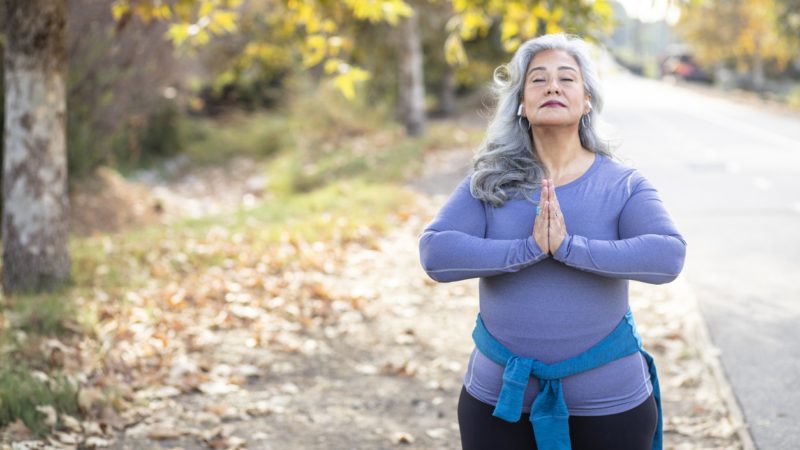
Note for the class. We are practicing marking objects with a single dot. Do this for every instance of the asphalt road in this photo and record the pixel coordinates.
(729, 174)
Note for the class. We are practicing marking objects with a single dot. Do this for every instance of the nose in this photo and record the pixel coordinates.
(552, 87)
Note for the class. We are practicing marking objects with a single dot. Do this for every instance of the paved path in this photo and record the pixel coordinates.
(730, 175)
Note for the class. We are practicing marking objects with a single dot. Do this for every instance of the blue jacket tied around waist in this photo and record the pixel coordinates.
(549, 414)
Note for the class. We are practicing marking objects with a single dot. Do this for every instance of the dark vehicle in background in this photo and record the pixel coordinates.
(679, 63)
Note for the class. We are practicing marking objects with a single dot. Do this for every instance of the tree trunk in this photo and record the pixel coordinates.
(412, 85)
(448, 91)
(35, 213)
(758, 69)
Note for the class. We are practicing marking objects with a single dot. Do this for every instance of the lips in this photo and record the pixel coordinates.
(553, 103)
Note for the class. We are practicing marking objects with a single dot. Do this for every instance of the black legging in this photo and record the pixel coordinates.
(628, 430)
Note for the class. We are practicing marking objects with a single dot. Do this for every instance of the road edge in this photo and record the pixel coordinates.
(709, 353)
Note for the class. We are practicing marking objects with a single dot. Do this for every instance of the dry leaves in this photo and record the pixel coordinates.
(307, 344)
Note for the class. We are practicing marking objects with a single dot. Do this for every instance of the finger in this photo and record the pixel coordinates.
(558, 223)
(540, 206)
(556, 204)
(555, 199)
(543, 195)
(537, 221)
(547, 212)
(552, 230)
(554, 217)
(546, 190)
(542, 198)
(555, 214)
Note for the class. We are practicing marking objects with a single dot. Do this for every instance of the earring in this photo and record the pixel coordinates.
(585, 121)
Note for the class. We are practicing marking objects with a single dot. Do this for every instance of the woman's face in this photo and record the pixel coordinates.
(554, 94)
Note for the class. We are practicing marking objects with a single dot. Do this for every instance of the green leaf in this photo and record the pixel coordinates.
(346, 81)
(119, 9)
(225, 19)
(178, 33)
(314, 51)
(454, 50)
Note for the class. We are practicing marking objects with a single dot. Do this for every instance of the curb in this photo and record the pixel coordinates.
(709, 353)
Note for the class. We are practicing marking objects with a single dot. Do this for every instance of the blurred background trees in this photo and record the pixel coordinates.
(735, 44)
(139, 68)
(151, 80)
(743, 36)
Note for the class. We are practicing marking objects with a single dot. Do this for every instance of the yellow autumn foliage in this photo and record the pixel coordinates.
(740, 31)
(320, 28)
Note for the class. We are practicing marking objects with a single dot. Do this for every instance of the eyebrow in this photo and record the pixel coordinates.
(559, 68)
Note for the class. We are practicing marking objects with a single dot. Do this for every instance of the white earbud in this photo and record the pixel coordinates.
(520, 110)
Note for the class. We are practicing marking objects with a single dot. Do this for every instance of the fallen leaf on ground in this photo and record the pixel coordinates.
(400, 437)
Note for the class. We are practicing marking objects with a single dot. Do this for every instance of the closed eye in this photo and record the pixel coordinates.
(538, 80)
(567, 79)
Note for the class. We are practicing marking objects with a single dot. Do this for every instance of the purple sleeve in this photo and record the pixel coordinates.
(650, 249)
(453, 246)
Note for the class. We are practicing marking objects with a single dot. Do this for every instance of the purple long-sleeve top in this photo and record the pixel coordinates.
(554, 307)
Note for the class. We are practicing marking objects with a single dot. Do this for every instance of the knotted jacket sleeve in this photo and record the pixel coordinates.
(454, 247)
(650, 248)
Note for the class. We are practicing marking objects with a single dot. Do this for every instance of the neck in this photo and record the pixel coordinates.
(558, 149)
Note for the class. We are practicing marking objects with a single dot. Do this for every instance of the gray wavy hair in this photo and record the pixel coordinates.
(505, 164)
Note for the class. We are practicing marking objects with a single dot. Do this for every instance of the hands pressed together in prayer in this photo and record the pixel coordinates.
(549, 229)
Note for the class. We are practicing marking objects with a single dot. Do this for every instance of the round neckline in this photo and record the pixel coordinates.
(584, 175)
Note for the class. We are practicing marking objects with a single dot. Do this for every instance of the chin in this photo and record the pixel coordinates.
(554, 123)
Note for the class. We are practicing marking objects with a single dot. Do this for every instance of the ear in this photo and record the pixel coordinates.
(521, 110)
(588, 108)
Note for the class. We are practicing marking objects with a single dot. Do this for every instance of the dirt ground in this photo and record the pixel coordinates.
(382, 368)
(387, 375)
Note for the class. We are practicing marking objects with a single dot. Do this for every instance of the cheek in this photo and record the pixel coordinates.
(529, 92)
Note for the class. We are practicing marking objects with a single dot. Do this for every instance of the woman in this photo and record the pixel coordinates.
(554, 228)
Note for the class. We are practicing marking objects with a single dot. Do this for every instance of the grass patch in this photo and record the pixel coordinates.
(340, 210)
(49, 314)
(21, 392)
(27, 379)
(263, 134)
(386, 157)
(446, 134)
